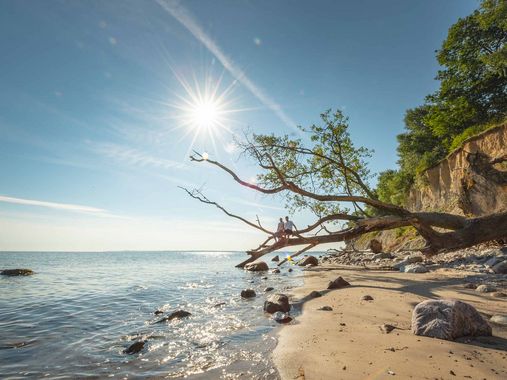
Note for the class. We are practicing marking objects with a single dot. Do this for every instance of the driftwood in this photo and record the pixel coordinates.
(441, 231)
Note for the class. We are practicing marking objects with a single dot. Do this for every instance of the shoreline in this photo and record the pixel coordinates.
(347, 342)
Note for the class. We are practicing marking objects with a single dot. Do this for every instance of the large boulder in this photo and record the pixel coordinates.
(277, 302)
(17, 272)
(448, 319)
(308, 260)
(337, 283)
(375, 246)
(256, 266)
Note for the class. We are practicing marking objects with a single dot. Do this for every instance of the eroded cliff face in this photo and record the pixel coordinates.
(471, 181)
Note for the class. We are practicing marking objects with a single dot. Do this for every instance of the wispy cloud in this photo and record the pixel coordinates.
(135, 157)
(58, 206)
(180, 13)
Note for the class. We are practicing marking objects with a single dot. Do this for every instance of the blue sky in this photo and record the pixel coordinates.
(92, 137)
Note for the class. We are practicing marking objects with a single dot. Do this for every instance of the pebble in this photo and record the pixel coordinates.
(387, 328)
(499, 319)
(281, 317)
(485, 288)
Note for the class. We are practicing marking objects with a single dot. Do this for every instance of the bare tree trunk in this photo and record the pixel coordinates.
(461, 232)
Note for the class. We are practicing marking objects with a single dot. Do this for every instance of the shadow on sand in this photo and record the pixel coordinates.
(420, 288)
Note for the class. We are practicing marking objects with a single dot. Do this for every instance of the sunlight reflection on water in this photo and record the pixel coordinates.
(78, 313)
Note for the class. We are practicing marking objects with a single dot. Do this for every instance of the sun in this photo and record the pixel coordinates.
(206, 114)
(204, 111)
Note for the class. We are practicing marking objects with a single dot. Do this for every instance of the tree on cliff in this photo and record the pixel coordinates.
(325, 173)
(472, 94)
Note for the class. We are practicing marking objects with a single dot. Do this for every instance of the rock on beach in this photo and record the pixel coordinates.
(17, 272)
(281, 317)
(415, 268)
(500, 268)
(308, 260)
(448, 319)
(499, 319)
(179, 314)
(248, 293)
(134, 348)
(256, 266)
(485, 288)
(277, 302)
(338, 283)
(375, 246)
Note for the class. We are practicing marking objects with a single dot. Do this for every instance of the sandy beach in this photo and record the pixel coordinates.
(348, 343)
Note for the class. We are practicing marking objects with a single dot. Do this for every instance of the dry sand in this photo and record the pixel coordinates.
(347, 343)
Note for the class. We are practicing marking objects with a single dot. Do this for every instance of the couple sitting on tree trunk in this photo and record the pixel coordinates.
(284, 230)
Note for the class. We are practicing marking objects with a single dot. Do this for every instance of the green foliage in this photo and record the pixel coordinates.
(465, 135)
(472, 93)
(328, 164)
(405, 232)
(392, 185)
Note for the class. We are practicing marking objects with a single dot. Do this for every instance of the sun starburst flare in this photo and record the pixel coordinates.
(205, 111)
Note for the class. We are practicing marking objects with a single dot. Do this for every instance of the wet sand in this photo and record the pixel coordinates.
(347, 343)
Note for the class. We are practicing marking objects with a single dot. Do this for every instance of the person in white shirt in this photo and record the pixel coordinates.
(289, 227)
(280, 230)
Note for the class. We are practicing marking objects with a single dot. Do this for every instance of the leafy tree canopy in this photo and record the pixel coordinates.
(472, 94)
(330, 163)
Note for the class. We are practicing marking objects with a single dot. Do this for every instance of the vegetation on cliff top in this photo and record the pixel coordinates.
(327, 175)
(472, 96)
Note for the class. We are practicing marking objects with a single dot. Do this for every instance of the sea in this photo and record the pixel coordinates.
(78, 313)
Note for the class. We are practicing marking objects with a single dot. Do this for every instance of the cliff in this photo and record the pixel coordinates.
(471, 181)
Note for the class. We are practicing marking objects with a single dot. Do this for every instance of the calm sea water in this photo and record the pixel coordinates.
(77, 314)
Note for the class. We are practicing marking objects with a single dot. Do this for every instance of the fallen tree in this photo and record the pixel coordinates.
(323, 172)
